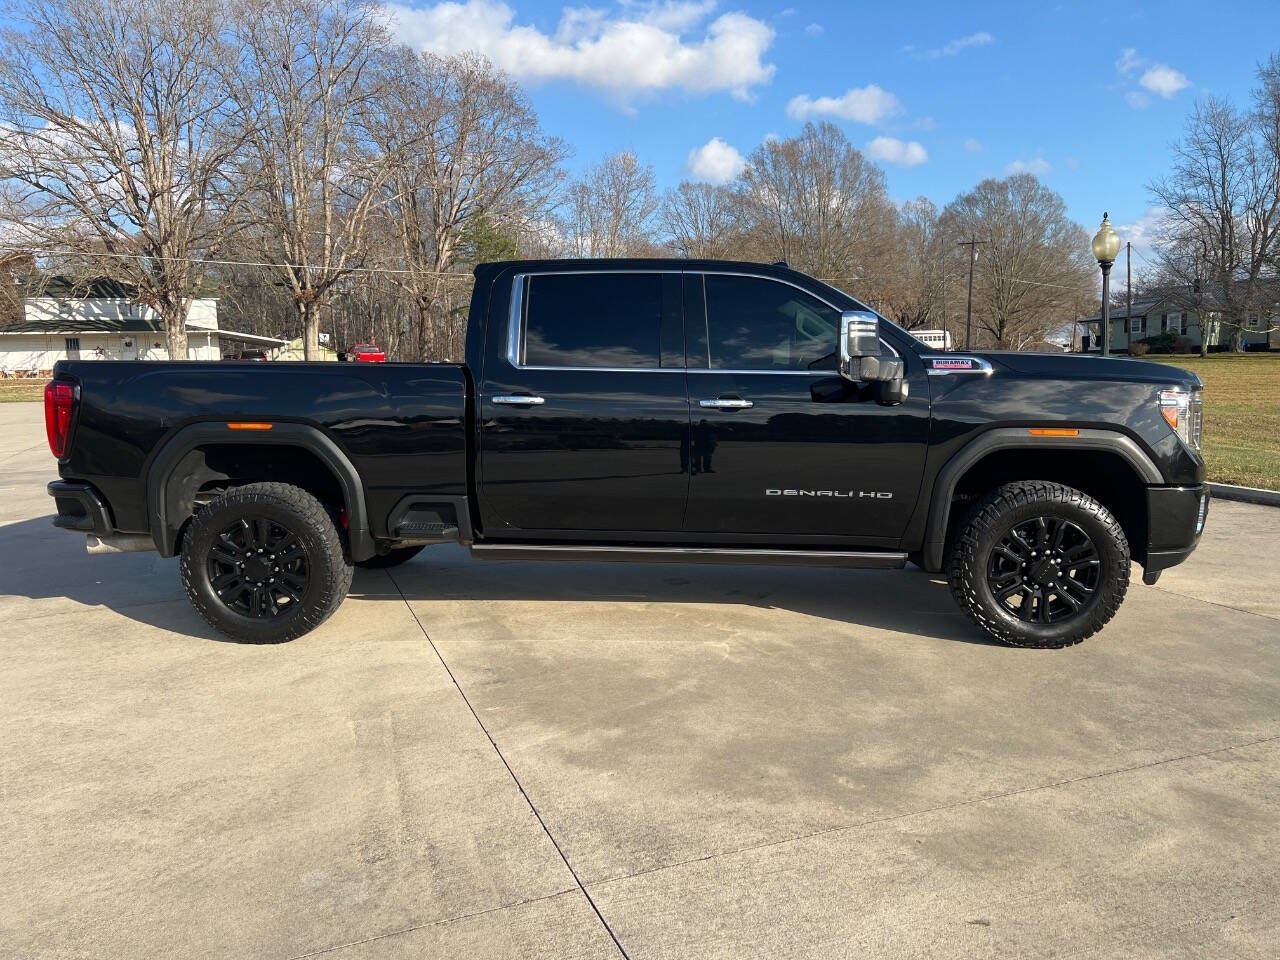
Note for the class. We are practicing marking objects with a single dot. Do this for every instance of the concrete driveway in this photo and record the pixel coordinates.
(514, 760)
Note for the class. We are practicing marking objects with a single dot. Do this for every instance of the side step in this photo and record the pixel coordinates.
(878, 560)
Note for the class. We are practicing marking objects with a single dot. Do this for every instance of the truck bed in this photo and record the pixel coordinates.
(403, 426)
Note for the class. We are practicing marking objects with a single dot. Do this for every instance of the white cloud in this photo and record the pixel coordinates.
(1128, 62)
(868, 104)
(1144, 231)
(901, 153)
(1164, 81)
(953, 47)
(973, 146)
(715, 161)
(814, 29)
(1158, 78)
(1038, 166)
(636, 49)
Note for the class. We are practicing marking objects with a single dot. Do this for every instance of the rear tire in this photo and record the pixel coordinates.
(392, 558)
(264, 563)
(1039, 564)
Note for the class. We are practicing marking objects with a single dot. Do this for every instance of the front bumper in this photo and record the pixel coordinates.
(80, 507)
(1175, 520)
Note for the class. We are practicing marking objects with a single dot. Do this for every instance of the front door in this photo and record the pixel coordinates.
(782, 445)
(583, 407)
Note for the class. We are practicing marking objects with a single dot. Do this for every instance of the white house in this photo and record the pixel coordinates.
(98, 320)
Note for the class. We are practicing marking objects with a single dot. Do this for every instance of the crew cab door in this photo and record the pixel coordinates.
(583, 407)
(781, 445)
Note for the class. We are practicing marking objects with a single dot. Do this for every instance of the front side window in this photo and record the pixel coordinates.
(759, 324)
(592, 320)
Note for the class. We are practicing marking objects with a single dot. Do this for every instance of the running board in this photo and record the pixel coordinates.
(880, 560)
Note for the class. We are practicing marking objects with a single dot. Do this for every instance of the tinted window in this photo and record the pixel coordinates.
(593, 320)
(755, 324)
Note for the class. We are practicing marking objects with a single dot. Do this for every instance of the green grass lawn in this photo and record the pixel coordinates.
(1241, 415)
(13, 391)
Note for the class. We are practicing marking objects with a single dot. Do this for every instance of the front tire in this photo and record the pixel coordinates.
(264, 563)
(1039, 564)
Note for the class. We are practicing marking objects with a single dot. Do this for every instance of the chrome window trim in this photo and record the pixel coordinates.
(982, 367)
(756, 276)
(515, 317)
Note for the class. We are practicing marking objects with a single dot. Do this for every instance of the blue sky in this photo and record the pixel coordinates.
(1087, 96)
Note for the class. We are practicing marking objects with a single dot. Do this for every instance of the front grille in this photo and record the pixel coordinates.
(1196, 412)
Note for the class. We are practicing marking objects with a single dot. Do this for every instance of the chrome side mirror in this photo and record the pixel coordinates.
(860, 358)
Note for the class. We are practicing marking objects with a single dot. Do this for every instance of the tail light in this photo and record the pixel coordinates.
(59, 405)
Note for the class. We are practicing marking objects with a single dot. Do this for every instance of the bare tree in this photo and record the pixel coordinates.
(1035, 267)
(702, 220)
(815, 201)
(305, 86)
(611, 207)
(915, 294)
(115, 142)
(460, 142)
(1223, 208)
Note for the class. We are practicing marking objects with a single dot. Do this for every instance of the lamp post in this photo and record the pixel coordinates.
(1106, 245)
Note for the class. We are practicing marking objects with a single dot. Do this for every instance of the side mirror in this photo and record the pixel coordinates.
(860, 358)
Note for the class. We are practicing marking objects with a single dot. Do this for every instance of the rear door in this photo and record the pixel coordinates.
(583, 408)
(781, 444)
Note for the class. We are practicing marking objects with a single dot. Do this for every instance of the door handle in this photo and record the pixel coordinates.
(727, 403)
(517, 400)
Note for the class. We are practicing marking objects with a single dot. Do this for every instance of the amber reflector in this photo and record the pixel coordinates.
(248, 426)
(1053, 432)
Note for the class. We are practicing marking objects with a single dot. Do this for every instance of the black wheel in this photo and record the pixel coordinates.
(263, 563)
(392, 558)
(1039, 564)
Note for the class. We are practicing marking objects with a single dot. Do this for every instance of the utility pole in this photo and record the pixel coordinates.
(1128, 285)
(972, 243)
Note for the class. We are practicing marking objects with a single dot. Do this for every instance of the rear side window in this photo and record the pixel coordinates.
(758, 324)
(592, 320)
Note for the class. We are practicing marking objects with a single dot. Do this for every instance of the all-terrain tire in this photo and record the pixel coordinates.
(992, 520)
(315, 555)
(392, 558)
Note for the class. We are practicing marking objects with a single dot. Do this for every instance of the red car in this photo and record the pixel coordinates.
(366, 353)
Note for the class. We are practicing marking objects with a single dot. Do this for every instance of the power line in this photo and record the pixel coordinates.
(39, 252)
(227, 263)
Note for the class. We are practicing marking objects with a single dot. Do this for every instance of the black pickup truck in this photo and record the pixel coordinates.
(645, 410)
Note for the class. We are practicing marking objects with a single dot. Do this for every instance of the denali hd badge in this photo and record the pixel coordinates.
(841, 494)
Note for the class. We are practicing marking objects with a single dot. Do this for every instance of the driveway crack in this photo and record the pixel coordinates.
(515, 779)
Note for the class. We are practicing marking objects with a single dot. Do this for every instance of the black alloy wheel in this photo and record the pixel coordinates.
(265, 562)
(258, 567)
(1044, 570)
(1038, 564)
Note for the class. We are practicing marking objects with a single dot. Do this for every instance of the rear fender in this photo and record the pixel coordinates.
(165, 522)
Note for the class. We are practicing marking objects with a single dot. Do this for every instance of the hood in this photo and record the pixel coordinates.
(1086, 367)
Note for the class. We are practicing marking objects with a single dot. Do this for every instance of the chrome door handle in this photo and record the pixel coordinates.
(517, 400)
(727, 403)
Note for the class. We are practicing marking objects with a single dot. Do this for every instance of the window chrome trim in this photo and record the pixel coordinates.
(515, 318)
(788, 283)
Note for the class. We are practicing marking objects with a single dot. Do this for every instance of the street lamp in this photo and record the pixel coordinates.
(1106, 245)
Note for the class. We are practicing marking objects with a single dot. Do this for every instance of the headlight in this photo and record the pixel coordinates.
(1184, 411)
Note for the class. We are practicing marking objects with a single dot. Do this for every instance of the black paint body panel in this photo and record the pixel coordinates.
(629, 456)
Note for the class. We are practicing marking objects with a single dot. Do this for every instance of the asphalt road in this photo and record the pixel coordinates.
(511, 760)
